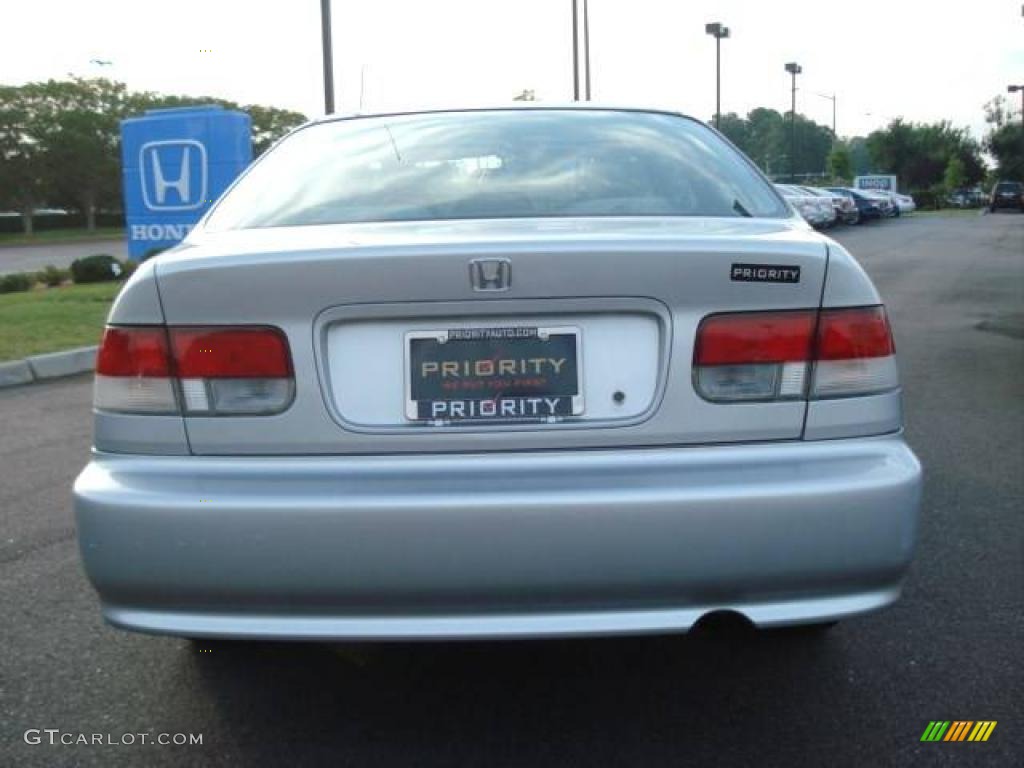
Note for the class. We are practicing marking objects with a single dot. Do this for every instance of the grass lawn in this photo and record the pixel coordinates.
(52, 319)
(60, 236)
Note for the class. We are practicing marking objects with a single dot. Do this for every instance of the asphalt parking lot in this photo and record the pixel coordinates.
(861, 695)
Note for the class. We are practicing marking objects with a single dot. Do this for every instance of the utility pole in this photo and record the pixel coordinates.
(575, 52)
(586, 46)
(794, 69)
(718, 31)
(831, 98)
(325, 31)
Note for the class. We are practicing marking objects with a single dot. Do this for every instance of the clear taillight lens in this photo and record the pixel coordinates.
(209, 370)
(769, 356)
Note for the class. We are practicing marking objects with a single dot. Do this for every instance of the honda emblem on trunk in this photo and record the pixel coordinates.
(490, 274)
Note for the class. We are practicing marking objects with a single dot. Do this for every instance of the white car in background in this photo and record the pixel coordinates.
(904, 203)
(816, 211)
(844, 210)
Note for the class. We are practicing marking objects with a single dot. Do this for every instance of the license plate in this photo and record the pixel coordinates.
(493, 374)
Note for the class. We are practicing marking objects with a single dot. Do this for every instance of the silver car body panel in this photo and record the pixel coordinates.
(295, 277)
(544, 543)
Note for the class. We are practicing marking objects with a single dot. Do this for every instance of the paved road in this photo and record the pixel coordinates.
(26, 258)
(951, 649)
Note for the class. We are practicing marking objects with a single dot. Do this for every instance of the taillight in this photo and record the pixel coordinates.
(854, 354)
(209, 370)
(133, 371)
(232, 370)
(791, 355)
(753, 355)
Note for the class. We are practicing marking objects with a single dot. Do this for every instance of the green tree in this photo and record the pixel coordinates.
(766, 139)
(75, 124)
(919, 153)
(840, 164)
(22, 176)
(737, 130)
(1005, 139)
(860, 158)
(765, 136)
(269, 124)
(954, 177)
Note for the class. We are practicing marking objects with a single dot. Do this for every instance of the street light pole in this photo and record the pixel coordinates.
(575, 52)
(794, 69)
(586, 47)
(325, 32)
(831, 98)
(718, 31)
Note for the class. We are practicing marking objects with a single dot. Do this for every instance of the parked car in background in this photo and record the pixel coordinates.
(867, 208)
(1007, 194)
(496, 374)
(799, 200)
(973, 197)
(884, 201)
(816, 211)
(905, 203)
(893, 199)
(843, 207)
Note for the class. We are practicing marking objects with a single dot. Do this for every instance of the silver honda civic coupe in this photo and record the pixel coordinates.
(520, 372)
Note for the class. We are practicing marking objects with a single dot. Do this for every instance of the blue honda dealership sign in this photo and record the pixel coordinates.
(176, 162)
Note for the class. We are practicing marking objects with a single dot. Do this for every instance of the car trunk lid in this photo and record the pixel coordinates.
(631, 291)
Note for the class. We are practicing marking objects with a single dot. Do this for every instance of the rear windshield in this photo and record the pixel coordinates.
(497, 164)
(1009, 186)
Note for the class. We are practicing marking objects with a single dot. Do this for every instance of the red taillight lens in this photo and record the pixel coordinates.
(771, 356)
(755, 337)
(850, 334)
(216, 371)
(134, 352)
(231, 353)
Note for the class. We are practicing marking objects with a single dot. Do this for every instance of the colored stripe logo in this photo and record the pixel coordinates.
(958, 730)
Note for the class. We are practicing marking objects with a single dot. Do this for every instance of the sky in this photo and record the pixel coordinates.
(924, 60)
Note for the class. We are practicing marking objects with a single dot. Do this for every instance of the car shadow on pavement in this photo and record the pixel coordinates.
(515, 703)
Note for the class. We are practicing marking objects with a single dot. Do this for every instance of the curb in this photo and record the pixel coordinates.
(53, 365)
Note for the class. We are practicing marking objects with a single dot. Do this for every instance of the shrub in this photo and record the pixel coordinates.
(18, 281)
(96, 269)
(129, 268)
(52, 276)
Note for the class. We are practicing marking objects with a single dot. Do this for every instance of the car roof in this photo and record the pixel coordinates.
(525, 106)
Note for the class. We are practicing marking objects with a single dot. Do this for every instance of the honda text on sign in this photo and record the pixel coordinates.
(496, 373)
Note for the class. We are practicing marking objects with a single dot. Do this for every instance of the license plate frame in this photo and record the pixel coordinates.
(525, 410)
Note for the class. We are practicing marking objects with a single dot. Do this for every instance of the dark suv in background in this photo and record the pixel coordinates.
(1007, 194)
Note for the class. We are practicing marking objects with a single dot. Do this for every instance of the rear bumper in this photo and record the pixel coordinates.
(1007, 203)
(498, 545)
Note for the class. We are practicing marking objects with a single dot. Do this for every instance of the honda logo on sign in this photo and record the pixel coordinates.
(173, 175)
(490, 274)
